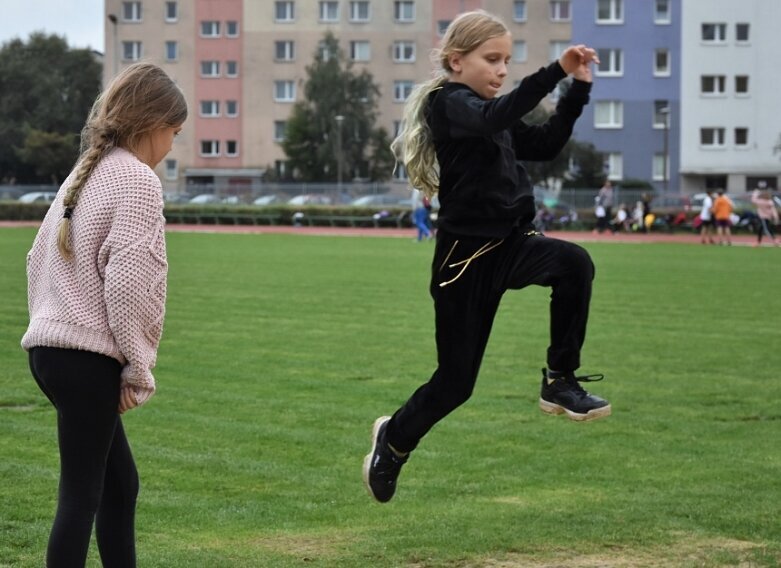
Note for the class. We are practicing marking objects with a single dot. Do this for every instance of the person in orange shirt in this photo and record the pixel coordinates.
(722, 210)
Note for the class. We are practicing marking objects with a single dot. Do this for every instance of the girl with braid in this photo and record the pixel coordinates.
(96, 295)
(463, 142)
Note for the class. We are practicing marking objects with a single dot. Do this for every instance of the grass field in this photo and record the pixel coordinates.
(279, 351)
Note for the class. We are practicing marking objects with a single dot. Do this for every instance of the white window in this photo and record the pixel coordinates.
(131, 11)
(210, 109)
(713, 84)
(741, 84)
(615, 166)
(171, 13)
(610, 62)
(329, 11)
(131, 50)
(712, 137)
(231, 148)
(560, 10)
(403, 51)
(400, 172)
(284, 11)
(662, 62)
(210, 28)
(741, 136)
(402, 90)
(519, 10)
(284, 91)
(231, 68)
(210, 68)
(662, 12)
(661, 114)
(714, 33)
(171, 51)
(325, 52)
(661, 167)
(359, 11)
(360, 51)
(610, 11)
(231, 108)
(210, 148)
(520, 53)
(556, 49)
(742, 33)
(404, 11)
(171, 169)
(279, 130)
(442, 26)
(609, 114)
(284, 50)
(231, 28)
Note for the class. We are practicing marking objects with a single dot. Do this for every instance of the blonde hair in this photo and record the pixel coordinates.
(137, 102)
(414, 146)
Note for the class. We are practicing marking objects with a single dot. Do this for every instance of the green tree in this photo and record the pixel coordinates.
(589, 171)
(45, 88)
(315, 138)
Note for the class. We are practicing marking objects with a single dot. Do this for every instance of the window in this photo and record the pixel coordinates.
(210, 148)
(661, 167)
(360, 51)
(609, 114)
(713, 84)
(610, 62)
(557, 48)
(325, 53)
(662, 13)
(714, 33)
(712, 137)
(131, 11)
(231, 29)
(329, 11)
(741, 33)
(131, 50)
(661, 114)
(519, 11)
(403, 51)
(741, 84)
(359, 11)
(171, 51)
(231, 108)
(231, 68)
(442, 26)
(402, 90)
(404, 11)
(615, 166)
(279, 130)
(284, 50)
(610, 11)
(519, 51)
(231, 148)
(741, 136)
(284, 91)
(284, 11)
(171, 169)
(210, 68)
(210, 109)
(171, 13)
(210, 29)
(559, 10)
(662, 62)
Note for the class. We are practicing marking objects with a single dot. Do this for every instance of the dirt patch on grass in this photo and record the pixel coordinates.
(306, 547)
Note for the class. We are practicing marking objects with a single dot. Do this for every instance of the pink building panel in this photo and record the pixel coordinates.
(447, 10)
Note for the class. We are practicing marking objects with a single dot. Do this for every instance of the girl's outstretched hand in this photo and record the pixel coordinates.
(576, 60)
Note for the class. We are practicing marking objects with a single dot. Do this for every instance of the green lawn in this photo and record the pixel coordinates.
(279, 351)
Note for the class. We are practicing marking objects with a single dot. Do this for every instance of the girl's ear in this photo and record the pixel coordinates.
(454, 60)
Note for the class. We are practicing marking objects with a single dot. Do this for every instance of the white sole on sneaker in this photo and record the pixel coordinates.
(553, 408)
(367, 461)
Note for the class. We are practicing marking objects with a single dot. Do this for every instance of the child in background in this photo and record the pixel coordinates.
(767, 213)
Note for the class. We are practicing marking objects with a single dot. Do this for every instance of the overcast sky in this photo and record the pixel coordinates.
(80, 21)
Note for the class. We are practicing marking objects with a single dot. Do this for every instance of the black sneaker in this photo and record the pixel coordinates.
(381, 466)
(563, 394)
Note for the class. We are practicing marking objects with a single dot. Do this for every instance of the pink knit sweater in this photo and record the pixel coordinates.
(110, 298)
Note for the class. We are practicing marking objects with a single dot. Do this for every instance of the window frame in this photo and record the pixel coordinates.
(235, 152)
(137, 47)
(555, 9)
(608, 55)
(400, 87)
(616, 13)
(167, 45)
(289, 94)
(400, 54)
(171, 164)
(717, 26)
(742, 93)
(398, 9)
(214, 151)
(662, 71)
(354, 51)
(326, 4)
(136, 12)
(235, 105)
(718, 132)
(277, 137)
(287, 45)
(354, 8)
(168, 18)
(615, 173)
(616, 112)
(520, 44)
(214, 110)
(215, 67)
(719, 83)
(665, 19)
(289, 9)
(525, 16)
(215, 29)
(747, 27)
(235, 25)
(745, 144)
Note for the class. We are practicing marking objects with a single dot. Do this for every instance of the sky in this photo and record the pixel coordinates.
(80, 21)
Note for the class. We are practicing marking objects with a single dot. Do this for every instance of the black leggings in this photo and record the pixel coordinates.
(765, 228)
(465, 308)
(98, 478)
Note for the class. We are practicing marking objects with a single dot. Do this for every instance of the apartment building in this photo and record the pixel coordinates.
(242, 64)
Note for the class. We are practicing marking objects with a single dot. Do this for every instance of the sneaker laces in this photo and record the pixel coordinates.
(574, 381)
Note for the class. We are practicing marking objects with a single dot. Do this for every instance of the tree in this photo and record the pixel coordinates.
(46, 91)
(315, 139)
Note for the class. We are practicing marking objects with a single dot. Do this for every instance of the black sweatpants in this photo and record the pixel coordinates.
(465, 308)
(98, 478)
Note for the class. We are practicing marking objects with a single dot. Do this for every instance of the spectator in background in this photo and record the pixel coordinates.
(722, 210)
(621, 221)
(706, 219)
(605, 196)
(767, 213)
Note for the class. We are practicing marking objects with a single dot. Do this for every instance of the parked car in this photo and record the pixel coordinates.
(378, 201)
(310, 199)
(205, 199)
(38, 197)
(267, 200)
